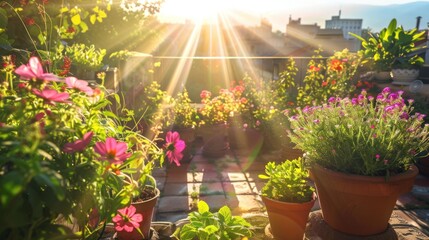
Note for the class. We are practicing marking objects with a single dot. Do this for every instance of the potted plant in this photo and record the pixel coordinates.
(361, 151)
(184, 120)
(185, 116)
(392, 49)
(203, 224)
(288, 198)
(66, 159)
(376, 50)
(243, 125)
(86, 60)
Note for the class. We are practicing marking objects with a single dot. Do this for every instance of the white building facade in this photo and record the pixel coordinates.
(347, 25)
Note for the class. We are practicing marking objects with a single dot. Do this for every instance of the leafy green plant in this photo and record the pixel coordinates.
(392, 47)
(85, 57)
(184, 114)
(287, 181)
(205, 225)
(364, 135)
(38, 26)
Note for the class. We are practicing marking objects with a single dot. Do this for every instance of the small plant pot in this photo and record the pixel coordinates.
(240, 138)
(287, 220)
(208, 132)
(145, 208)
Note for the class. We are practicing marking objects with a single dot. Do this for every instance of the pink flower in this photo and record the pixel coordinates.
(112, 151)
(51, 96)
(78, 145)
(127, 219)
(174, 146)
(34, 70)
(81, 85)
(205, 94)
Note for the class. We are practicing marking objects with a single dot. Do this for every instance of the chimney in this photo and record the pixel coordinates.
(418, 22)
(339, 14)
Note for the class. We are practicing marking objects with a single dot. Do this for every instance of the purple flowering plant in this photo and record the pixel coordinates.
(371, 136)
(65, 158)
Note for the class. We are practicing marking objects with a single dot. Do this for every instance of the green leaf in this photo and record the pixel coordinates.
(11, 185)
(110, 114)
(390, 29)
(263, 176)
(41, 38)
(76, 20)
(64, 9)
(3, 18)
(102, 14)
(187, 232)
(93, 18)
(203, 207)
(5, 44)
(211, 229)
(83, 26)
(225, 212)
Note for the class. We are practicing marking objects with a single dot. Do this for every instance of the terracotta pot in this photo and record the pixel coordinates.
(423, 165)
(186, 134)
(240, 138)
(359, 205)
(287, 220)
(146, 209)
(208, 132)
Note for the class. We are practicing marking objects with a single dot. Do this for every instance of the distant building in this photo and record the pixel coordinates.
(303, 39)
(260, 40)
(347, 25)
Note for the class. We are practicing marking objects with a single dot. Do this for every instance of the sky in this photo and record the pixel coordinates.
(205, 10)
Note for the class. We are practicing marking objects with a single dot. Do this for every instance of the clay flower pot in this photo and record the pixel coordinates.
(146, 209)
(359, 205)
(287, 220)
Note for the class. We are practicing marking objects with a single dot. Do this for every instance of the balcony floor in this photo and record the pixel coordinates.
(233, 180)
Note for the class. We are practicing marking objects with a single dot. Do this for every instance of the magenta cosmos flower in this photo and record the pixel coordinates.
(52, 96)
(127, 219)
(34, 70)
(112, 151)
(81, 85)
(78, 145)
(175, 147)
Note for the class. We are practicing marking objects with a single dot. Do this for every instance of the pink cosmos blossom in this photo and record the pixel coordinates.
(34, 70)
(51, 96)
(78, 145)
(112, 151)
(174, 146)
(127, 219)
(81, 85)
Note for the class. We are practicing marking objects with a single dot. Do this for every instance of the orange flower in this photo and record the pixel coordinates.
(336, 65)
(324, 83)
(314, 68)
